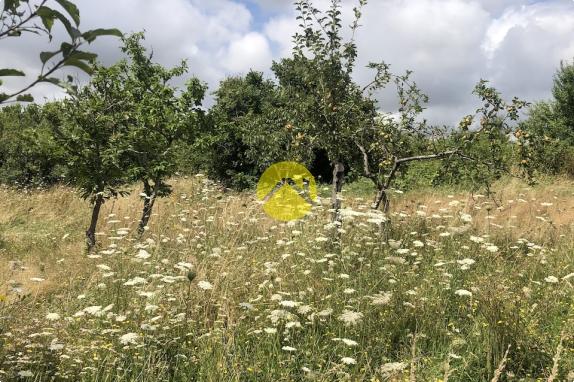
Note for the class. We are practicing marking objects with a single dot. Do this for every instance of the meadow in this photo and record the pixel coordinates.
(450, 286)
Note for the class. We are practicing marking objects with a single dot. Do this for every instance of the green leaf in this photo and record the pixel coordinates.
(52, 80)
(45, 56)
(83, 56)
(11, 72)
(11, 4)
(3, 97)
(66, 48)
(91, 35)
(47, 15)
(72, 10)
(73, 32)
(79, 64)
(25, 98)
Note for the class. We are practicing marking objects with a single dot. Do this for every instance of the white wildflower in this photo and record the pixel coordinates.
(52, 316)
(393, 367)
(463, 293)
(143, 254)
(205, 285)
(551, 279)
(492, 248)
(348, 361)
(349, 317)
(381, 298)
(135, 281)
(129, 338)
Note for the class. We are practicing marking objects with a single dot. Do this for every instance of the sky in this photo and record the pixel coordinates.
(448, 44)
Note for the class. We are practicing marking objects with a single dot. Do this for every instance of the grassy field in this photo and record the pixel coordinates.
(456, 287)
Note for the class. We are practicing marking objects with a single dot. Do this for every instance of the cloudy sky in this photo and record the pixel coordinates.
(449, 44)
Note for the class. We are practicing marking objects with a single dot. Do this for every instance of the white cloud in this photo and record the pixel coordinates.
(251, 51)
(450, 44)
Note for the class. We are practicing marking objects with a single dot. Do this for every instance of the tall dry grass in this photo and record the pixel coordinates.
(464, 275)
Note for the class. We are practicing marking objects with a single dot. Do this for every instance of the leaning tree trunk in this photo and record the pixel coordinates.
(381, 199)
(149, 201)
(91, 232)
(337, 187)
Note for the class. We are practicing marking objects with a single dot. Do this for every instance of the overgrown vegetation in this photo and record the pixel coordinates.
(458, 287)
(466, 277)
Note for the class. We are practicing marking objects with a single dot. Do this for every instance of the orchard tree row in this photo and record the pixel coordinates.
(131, 124)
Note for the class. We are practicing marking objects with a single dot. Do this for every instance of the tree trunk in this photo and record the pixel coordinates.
(149, 201)
(383, 199)
(91, 232)
(338, 179)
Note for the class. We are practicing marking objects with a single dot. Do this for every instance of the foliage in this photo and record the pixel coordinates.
(548, 133)
(476, 154)
(247, 132)
(563, 92)
(19, 17)
(158, 117)
(92, 128)
(29, 156)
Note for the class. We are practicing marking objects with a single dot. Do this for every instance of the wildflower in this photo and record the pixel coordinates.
(278, 315)
(392, 367)
(293, 324)
(52, 316)
(349, 291)
(347, 341)
(246, 306)
(325, 312)
(304, 309)
(476, 239)
(466, 218)
(270, 330)
(349, 317)
(418, 243)
(129, 338)
(55, 345)
(135, 281)
(289, 349)
(25, 373)
(551, 279)
(348, 361)
(381, 298)
(463, 293)
(205, 285)
(143, 254)
(289, 304)
(492, 248)
(103, 267)
(465, 263)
